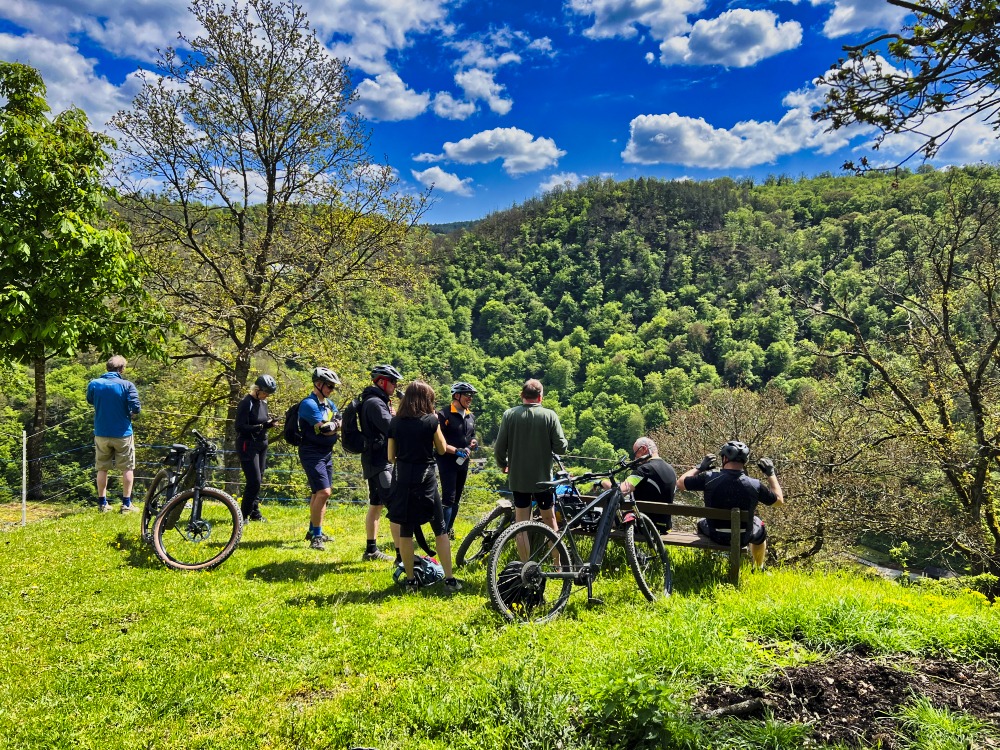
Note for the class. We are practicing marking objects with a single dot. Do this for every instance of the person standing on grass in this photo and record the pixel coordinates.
(731, 487)
(252, 423)
(374, 416)
(529, 435)
(458, 426)
(318, 423)
(115, 400)
(414, 437)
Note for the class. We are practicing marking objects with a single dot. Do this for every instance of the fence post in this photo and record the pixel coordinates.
(24, 477)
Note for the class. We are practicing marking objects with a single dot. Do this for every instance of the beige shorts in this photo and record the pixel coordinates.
(118, 453)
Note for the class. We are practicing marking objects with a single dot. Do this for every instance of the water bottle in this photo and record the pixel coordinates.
(461, 456)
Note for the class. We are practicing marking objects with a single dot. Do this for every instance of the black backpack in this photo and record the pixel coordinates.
(291, 431)
(351, 437)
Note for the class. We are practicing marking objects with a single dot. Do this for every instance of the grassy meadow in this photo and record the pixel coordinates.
(287, 647)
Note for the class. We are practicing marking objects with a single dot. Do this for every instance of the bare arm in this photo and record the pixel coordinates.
(439, 442)
(391, 450)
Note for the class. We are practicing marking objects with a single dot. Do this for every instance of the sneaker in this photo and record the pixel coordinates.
(104, 508)
(377, 555)
(256, 516)
(126, 509)
(452, 584)
(317, 542)
(322, 537)
(451, 534)
(409, 586)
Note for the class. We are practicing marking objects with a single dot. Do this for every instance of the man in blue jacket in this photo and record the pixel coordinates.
(115, 400)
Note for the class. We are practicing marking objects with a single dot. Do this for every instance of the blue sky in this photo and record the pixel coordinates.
(495, 101)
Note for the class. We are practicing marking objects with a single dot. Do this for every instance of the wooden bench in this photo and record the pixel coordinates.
(735, 517)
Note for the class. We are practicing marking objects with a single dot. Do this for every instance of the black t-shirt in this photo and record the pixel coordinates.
(730, 488)
(659, 481)
(414, 438)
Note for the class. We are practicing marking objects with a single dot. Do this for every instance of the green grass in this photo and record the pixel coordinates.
(286, 647)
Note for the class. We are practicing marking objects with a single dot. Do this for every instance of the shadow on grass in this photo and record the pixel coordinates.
(138, 554)
(298, 570)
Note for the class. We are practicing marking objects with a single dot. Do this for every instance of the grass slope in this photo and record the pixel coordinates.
(286, 647)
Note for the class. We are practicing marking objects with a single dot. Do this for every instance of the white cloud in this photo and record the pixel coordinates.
(479, 84)
(450, 108)
(366, 30)
(70, 78)
(852, 16)
(446, 182)
(736, 39)
(623, 18)
(692, 142)
(387, 98)
(559, 180)
(520, 151)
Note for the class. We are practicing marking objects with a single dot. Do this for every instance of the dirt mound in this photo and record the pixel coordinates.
(852, 699)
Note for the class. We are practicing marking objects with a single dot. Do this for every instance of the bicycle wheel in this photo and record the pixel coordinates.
(476, 545)
(156, 496)
(648, 558)
(523, 558)
(189, 538)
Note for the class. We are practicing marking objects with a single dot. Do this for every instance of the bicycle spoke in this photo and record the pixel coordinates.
(520, 572)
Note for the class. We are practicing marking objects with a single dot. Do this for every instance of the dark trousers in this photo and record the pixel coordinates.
(452, 483)
(254, 462)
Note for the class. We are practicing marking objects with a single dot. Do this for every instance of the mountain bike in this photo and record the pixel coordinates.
(200, 527)
(476, 545)
(532, 568)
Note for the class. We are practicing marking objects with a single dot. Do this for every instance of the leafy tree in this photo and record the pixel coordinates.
(943, 70)
(268, 220)
(68, 280)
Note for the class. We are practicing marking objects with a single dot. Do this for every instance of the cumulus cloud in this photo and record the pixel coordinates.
(444, 181)
(559, 180)
(387, 98)
(520, 151)
(852, 16)
(736, 39)
(70, 78)
(693, 142)
(624, 18)
(479, 85)
(450, 108)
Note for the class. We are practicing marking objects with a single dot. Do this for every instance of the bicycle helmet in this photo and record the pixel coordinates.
(266, 383)
(325, 375)
(736, 451)
(463, 388)
(386, 371)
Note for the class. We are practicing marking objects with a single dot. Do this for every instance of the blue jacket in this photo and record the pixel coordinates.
(115, 400)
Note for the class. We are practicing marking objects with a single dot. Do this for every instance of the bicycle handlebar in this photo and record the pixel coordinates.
(623, 464)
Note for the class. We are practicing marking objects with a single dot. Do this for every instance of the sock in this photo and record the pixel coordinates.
(102, 500)
(371, 546)
(399, 557)
(127, 501)
(314, 530)
(319, 531)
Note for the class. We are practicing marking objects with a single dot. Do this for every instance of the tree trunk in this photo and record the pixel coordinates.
(36, 435)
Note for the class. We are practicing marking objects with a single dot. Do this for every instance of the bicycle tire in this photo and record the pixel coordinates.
(648, 558)
(156, 496)
(186, 543)
(517, 585)
(476, 545)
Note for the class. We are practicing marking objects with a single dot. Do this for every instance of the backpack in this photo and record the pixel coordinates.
(351, 437)
(426, 570)
(291, 431)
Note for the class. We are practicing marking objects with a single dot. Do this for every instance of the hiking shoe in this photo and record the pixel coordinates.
(452, 584)
(104, 508)
(377, 555)
(126, 509)
(317, 542)
(322, 537)
(255, 515)
(409, 586)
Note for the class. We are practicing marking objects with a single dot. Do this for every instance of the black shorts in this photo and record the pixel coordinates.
(758, 534)
(380, 488)
(524, 499)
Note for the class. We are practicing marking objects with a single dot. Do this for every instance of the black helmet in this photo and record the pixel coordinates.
(386, 371)
(266, 383)
(736, 451)
(325, 375)
(462, 387)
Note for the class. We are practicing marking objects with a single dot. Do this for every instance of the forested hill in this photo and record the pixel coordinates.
(630, 299)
